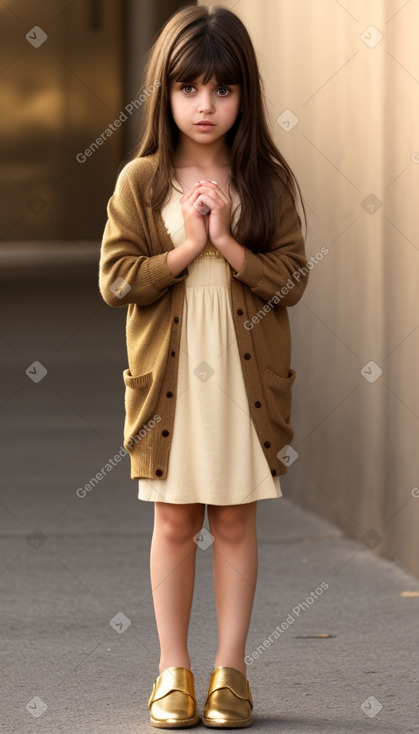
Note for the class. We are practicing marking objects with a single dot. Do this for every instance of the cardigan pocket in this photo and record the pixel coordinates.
(138, 408)
(279, 402)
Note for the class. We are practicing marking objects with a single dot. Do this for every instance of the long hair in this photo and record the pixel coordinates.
(212, 41)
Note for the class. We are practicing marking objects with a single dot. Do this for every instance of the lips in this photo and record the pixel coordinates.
(204, 124)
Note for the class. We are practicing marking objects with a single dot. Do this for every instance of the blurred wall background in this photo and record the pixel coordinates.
(341, 81)
(60, 88)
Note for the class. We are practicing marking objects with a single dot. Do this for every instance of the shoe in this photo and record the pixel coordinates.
(172, 702)
(229, 702)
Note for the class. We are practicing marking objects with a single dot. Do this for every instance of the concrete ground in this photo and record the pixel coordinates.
(79, 648)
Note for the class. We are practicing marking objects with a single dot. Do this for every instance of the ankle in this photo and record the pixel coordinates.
(175, 662)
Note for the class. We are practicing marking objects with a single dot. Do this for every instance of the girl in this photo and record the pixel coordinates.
(203, 243)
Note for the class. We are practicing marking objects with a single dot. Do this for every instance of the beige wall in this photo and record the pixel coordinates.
(357, 135)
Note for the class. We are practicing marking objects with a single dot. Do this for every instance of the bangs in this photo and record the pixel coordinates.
(207, 57)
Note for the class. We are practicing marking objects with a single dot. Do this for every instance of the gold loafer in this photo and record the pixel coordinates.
(172, 702)
(229, 702)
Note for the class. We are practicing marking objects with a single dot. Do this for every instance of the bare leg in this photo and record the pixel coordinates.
(172, 574)
(235, 567)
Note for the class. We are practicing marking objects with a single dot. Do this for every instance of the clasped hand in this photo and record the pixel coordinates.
(215, 223)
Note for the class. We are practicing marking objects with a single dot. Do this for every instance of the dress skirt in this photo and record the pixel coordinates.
(215, 456)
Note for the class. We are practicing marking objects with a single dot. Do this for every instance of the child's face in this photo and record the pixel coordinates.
(191, 103)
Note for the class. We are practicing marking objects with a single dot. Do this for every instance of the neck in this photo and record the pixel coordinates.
(190, 153)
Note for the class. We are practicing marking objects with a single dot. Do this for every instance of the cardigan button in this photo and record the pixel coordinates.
(247, 355)
(258, 404)
(165, 433)
(176, 319)
(172, 354)
(240, 311)
(273, 472)
(159, 472)
(267, 444)
(169, 394)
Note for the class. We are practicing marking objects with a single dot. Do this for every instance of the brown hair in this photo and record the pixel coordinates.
(212, 41)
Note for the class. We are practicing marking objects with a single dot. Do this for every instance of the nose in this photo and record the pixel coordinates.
(205, 103)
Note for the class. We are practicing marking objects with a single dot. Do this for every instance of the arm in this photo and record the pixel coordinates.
(127, 273)
(179, 258)
(267, 272)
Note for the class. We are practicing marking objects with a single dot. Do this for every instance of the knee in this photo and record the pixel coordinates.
(231, 524)
(178, 525)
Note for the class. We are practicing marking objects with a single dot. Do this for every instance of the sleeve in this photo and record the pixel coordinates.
(285, 263)
(127, 273)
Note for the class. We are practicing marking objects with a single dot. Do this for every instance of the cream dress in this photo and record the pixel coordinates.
(216, 456)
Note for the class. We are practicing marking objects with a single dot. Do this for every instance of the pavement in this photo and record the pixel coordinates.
(333, 640)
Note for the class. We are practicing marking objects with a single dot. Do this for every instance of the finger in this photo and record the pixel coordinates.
(189, 194)
(211, 187)
(208, 190)
(204, 203)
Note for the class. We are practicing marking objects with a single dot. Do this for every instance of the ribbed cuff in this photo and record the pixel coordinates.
(159, 273)
(251, 272)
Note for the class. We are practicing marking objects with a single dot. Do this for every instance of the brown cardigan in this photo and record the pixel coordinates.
(133, 272)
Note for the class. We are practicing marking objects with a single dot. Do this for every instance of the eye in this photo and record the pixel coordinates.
(224, 91)
(187, 88)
